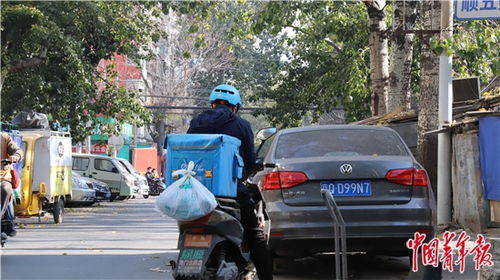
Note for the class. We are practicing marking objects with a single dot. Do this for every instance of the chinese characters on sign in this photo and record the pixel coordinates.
(430, 251)
(477, 9)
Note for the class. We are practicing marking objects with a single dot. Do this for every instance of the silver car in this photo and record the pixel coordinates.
(383, 193)
(82, 191)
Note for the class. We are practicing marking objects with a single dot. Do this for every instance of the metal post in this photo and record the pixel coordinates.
(339, 231)
(133, 148)
(445, 118)
(79, 147)
(87, 144)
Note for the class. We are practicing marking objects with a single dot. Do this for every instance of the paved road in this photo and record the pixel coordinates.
(116, 240)
(130, 240)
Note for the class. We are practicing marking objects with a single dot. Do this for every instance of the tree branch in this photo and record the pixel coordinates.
(30, 62)
(329, 42)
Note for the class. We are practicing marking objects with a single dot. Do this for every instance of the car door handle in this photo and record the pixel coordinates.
(95, 173)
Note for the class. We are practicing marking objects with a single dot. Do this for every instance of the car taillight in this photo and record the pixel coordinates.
(408, 177)
(284, 180)
(420, 178)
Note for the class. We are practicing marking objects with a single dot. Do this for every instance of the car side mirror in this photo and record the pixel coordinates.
(263, 135)
(266, 133)
(259, 163)
(114, 170)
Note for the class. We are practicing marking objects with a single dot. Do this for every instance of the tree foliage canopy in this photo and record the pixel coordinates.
(302, 56)
(328, 59)
(311, 54)
(50, 53)
(327, 65)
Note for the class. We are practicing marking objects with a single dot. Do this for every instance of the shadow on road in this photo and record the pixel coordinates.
(142, 266)
(360, 266)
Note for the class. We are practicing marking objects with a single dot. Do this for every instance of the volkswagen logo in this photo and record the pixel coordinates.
(346, 168)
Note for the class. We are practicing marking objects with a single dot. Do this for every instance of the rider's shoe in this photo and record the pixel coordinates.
(4, 236)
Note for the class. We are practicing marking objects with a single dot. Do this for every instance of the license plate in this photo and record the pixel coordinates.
(198, 240)
(348, 188)
(191, 260)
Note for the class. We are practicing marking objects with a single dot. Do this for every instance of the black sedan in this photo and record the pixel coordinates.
(383, 193)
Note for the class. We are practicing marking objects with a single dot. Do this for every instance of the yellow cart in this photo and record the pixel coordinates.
(46, 173)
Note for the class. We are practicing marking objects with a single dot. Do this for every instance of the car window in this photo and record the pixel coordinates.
(265, 148)
(339, 142)
(103, 165)
(80, 164)
(125, 166)
(131, 169)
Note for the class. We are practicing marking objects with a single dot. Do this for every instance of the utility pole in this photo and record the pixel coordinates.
(88, 145)
(445, 119)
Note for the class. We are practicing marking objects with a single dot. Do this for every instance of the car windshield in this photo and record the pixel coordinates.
(125, 166)
(339, 142)
(130, 167)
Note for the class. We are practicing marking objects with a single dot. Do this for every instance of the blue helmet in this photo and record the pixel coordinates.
(227, 93)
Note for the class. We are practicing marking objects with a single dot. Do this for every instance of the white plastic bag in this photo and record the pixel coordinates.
(186, 199)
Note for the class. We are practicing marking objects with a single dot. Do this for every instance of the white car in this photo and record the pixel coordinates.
(141, 181)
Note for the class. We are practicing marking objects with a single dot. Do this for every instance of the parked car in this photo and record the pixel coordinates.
(108, 170)
(141, 181)
(383, 193)
(83, 192)
(102, 190)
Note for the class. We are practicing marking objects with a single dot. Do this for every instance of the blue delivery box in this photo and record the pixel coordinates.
(218, 164)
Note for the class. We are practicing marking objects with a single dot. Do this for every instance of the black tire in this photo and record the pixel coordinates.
(58, 210)
(113, 197)
(222, 252)
(145, 196)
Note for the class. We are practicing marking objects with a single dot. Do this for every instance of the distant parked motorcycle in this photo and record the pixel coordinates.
(156, 187)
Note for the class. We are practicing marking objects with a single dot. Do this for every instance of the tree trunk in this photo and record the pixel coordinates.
(428, 99)
(379, 60)
(405, 14)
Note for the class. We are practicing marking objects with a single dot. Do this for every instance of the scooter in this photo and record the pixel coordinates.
(156, 187)
(212, 247)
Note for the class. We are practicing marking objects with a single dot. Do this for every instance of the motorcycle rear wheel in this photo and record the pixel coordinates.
(223, 253)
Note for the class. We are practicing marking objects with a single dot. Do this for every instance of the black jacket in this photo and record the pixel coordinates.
(222, 121)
